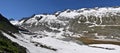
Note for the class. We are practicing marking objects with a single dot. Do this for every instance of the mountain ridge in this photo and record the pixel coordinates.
(72, 20)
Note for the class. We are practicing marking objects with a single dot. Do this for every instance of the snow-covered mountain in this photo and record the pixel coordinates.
(94, 30)
(96, 22)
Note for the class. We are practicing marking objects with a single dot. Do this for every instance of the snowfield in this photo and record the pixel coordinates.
(14, 22)
(60, 46)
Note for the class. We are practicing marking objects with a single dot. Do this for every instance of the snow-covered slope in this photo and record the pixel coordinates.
(53, 45)
(14, 22)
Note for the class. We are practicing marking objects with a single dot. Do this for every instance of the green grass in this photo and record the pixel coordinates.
(7, 46)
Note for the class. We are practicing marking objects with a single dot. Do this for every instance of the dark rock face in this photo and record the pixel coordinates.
(6, 45)
(5, 25)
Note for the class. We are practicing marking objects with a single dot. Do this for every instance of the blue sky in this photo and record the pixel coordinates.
(23, 8)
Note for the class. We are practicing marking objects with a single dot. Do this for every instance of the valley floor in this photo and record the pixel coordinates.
(54, 45)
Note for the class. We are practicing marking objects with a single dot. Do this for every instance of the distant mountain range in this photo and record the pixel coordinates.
(98, 23)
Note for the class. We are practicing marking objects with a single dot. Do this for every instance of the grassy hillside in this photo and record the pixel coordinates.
(6, 45)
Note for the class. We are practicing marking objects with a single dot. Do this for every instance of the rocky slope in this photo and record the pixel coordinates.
(6, 45)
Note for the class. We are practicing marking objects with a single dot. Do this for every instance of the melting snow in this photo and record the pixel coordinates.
(62, 46)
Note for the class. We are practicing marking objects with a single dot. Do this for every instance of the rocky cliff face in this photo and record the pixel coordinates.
(5, 25)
